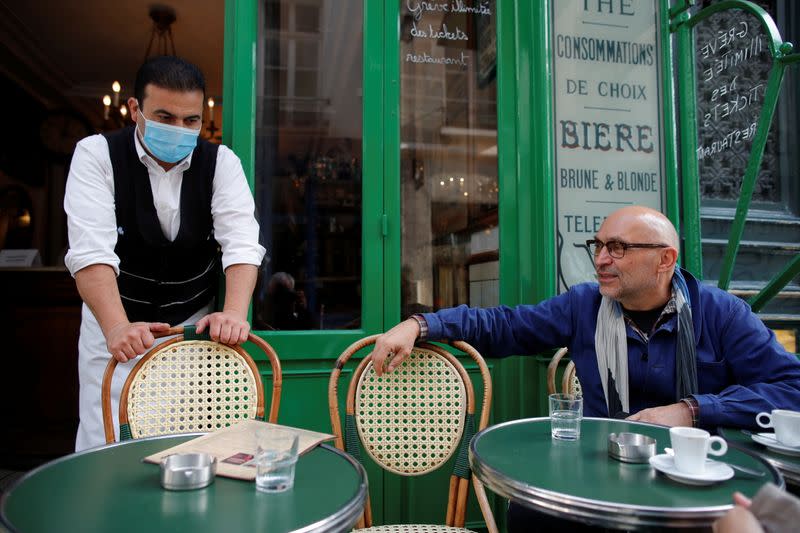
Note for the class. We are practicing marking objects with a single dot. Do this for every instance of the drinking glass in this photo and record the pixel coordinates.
(276, 457)
(566, 411)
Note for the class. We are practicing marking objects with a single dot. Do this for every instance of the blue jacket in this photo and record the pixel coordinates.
(741, 368)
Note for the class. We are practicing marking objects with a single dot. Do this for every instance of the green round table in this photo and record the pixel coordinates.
(787, 465)
(579, 481)
(111, 489)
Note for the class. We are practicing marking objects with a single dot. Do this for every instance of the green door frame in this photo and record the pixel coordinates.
(239, 118)
(390, 113)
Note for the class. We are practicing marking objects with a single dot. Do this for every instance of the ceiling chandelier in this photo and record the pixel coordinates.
(115, 115)
(162, 16)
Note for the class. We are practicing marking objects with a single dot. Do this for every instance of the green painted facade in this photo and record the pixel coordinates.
(526, 165)
(525, 160)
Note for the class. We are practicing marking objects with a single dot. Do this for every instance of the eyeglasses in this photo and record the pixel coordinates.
(616, 249)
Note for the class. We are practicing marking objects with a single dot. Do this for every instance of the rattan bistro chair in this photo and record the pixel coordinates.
(411, 421)
(190, 384)
(569, 381)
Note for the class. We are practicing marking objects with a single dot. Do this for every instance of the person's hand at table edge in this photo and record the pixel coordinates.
(676, 414)
(394, 346)
(125, 341)
(739, 519)
(225, 326)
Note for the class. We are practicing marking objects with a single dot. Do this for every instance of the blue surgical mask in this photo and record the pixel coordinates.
(168, 143)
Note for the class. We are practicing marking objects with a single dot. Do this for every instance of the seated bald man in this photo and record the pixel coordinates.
(649, 341)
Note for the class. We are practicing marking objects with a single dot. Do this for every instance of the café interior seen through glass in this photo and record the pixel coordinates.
(448, 157)
(309, 162)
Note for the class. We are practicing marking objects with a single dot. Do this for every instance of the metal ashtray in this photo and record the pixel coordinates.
(631, 447)
(186, 471)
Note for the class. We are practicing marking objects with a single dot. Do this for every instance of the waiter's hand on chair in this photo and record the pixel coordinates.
(225, 327)
(125, 341)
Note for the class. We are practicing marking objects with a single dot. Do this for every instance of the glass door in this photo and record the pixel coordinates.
(316, 188)
(448, 156)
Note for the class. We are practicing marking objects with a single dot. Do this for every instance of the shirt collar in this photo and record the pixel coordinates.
(670, 309)
(148, 160)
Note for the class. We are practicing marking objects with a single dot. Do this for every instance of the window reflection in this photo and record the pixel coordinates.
(308, 164)
(449, 184)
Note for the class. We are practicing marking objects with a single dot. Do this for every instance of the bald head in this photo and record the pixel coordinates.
(647, 222)
(640, 276)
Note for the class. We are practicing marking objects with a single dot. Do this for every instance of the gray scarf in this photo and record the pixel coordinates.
(611, 345)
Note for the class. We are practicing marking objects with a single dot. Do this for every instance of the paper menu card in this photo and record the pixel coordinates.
(235, 447)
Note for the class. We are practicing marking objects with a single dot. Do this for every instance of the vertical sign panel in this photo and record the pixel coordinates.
(607, 121)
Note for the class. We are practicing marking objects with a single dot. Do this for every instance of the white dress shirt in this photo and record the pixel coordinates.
(91, 216)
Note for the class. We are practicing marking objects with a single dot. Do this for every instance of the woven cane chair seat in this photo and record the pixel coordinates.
(414, 528)
(411, 421)
(571, 384)
(192, 386)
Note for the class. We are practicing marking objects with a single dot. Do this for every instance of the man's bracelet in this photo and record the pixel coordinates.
(423, 326)
(694, 409)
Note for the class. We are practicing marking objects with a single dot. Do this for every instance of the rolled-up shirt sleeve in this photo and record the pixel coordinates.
(233, 211)
(89, 204)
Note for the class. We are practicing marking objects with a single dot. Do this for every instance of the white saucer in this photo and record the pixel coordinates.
(769, 440)
(715, 471)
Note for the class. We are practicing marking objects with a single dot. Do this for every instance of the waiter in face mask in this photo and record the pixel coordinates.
(154, 213)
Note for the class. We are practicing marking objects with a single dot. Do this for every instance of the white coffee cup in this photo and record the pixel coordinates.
(691, 445)
(786, 424)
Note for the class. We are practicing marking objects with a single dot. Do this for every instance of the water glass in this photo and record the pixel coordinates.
(566, 412)
(276, 457)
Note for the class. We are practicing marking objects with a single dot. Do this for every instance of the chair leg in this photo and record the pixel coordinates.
(483, 502)
(368, 513)
(451, 501)
(461, 502)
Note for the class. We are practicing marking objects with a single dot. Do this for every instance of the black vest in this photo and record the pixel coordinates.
(159, 280)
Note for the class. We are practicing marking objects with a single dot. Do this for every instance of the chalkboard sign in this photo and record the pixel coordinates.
(732, 67)
(486, 48)
(445, 32)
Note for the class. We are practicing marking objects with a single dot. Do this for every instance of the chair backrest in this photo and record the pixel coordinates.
(569, 380)
(413, 420)
(190, 384)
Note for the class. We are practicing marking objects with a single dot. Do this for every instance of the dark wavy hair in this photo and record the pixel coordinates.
(168, 72)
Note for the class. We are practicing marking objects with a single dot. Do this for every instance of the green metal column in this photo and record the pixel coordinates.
(692, 253)
(239, 81)
(387, 80)
(536, 177)
(536, 146)
(668, 116)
